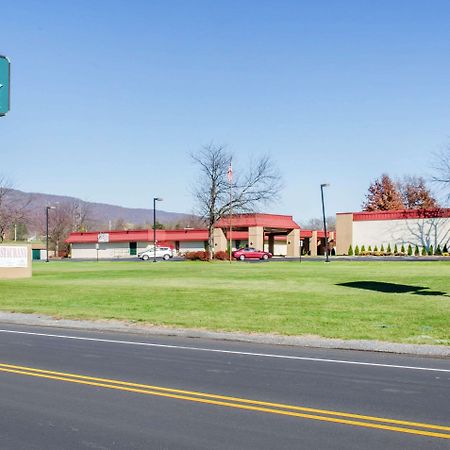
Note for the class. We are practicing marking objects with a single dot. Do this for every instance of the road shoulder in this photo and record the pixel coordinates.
(273, 339)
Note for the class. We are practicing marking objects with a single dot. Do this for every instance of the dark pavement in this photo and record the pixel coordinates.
(41, 410)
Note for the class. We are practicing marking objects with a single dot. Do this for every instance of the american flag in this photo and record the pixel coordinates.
(230, 173)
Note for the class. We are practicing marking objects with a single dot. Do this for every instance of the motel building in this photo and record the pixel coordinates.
(421, 227)
(278, 234)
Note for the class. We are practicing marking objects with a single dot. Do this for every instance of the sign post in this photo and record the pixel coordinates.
(4, 85)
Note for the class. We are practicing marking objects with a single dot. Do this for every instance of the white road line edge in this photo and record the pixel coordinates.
(230, 352)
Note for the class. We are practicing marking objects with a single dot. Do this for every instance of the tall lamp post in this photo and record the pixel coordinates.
(47, 209)
(324, 221)
(155, 199)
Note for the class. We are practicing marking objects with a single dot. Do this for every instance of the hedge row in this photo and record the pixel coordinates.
(204, 256)
(389, 251)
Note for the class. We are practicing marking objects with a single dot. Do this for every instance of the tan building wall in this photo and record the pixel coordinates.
(220, 240)
(15, 261)
(344, 233)
(313, 244)
(256, 237)
(293, 243)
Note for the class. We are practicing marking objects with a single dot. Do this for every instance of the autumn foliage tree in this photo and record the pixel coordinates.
(383, 195)
(415, 194)
(410, 193)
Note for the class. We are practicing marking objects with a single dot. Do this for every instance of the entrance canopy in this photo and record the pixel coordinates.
(270, 222)
(259, 226)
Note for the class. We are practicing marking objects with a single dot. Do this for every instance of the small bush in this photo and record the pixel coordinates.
(431, 250)
(363, 249)
(402, 249)
(410, 250)
(222, 255)
(389, 250)
(438, 250)
(357, 250)
(369, 248)
(197, 256)
(395, 248)
(350, 250)
(424, 251)
(445, 249)
(375, 249)
(382, 248)
(416, 251)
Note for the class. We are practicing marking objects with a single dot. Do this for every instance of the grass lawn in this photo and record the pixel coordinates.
(390, 301)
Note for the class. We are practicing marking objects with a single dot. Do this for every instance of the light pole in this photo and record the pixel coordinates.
(47, 209)
(155, 199)
(324, 221)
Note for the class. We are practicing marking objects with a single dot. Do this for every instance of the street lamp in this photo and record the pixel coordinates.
(47, 209)
(155, 199)
(324, 221)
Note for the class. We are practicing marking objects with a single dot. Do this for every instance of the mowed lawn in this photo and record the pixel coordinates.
(390, 301)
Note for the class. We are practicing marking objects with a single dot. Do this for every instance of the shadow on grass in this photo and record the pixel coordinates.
(392, 288)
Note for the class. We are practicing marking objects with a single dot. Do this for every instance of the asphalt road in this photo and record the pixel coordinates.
(68, 389)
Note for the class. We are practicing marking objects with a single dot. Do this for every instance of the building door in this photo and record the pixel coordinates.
(133, 248)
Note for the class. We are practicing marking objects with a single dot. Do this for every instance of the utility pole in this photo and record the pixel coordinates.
(324, 221)
(155, 199)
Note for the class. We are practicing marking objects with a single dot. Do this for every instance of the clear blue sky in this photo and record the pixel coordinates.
(109, 97)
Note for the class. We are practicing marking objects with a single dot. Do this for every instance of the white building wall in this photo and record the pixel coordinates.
(106, 250)
(193, 246)
(421, 232)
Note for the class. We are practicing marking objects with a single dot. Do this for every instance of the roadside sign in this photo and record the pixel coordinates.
(4, 85)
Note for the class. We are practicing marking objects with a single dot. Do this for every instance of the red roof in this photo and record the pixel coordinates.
(258, 220)
(400, 214)
(139, 236)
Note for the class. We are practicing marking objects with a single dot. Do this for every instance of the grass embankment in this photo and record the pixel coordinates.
(391, 301)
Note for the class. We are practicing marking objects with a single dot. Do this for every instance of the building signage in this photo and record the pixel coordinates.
(13, 256)
(103, 237)
(4, 85)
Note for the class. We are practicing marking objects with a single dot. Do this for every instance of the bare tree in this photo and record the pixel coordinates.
(316, 223)
(12, 209)
(441, 166)
(260, 184)
(188, 222)
(81, 215)
(72, 215)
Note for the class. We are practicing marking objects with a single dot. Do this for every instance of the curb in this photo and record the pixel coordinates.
(442, 351)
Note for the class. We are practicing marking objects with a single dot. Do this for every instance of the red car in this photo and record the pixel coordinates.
(251, 253)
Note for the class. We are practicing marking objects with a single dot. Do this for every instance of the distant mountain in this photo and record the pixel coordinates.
(100, 214)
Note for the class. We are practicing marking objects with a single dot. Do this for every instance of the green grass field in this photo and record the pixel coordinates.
(391, 301)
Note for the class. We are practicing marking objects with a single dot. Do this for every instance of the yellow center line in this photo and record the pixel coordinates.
(231, 402)
(234, 399)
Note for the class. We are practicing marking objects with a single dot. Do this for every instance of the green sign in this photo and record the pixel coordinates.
(4, 85)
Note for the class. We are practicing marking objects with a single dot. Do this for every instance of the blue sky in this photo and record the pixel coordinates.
(110, 97)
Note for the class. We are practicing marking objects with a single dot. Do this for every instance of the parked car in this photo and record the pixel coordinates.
(161, 252)
(251, 253)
